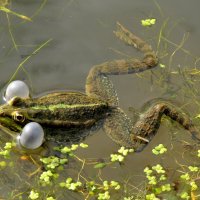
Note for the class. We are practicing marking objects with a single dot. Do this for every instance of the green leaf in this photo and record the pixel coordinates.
(198, 116)
(148, 22)
(100, 165)
(83, 145)
(162, 65)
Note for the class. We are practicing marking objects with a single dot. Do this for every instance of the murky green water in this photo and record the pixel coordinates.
(81, 35)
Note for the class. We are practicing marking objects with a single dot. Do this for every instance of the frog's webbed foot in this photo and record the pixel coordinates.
(129, 38)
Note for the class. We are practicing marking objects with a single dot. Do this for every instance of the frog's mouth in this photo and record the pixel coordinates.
(8, 124)
(8, 121)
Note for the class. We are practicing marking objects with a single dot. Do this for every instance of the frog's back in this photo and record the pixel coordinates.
(64, 109)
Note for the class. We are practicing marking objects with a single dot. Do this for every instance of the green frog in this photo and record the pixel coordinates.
(99, 105)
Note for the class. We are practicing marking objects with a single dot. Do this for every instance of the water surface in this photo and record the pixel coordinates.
(82, 36)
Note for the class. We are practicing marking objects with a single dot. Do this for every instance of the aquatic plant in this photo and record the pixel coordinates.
(148, 22)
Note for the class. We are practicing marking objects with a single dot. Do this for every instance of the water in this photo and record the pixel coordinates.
(82, 36)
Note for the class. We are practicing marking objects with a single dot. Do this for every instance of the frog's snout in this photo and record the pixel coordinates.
(5, 109)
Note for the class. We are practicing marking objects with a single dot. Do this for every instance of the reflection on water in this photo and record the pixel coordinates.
(81, 33)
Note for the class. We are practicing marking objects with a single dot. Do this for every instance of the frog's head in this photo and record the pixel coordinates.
(13, 115)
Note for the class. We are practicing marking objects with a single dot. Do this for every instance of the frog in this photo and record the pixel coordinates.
(77, 111)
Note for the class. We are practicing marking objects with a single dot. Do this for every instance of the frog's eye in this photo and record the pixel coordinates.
(18, 116)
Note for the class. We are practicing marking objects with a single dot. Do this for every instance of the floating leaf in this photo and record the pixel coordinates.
(100, 165)
(148, 22)
(198, 116)
(162, 65)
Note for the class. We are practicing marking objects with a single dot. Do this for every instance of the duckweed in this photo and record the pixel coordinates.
(84, 146)
(198, 153)
(7, 149)
(156, 176)
(185, 176)
(193, 186)
(193, 169)
(120, 156)
(3, 164)
(104, 196)
(148, 22)
(151, 197)
(159, 169)
(93, 189)
(52, 162)
(47, 176)
(50, 198)
(33, 195)
(185, 195)
(116, 157)
(160, 149)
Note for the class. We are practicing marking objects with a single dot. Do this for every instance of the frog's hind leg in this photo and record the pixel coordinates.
(119, 127)
(99, 85)
(149, 121)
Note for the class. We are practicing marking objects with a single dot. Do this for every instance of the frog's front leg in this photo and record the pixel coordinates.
(98, 83)
(119, 127)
